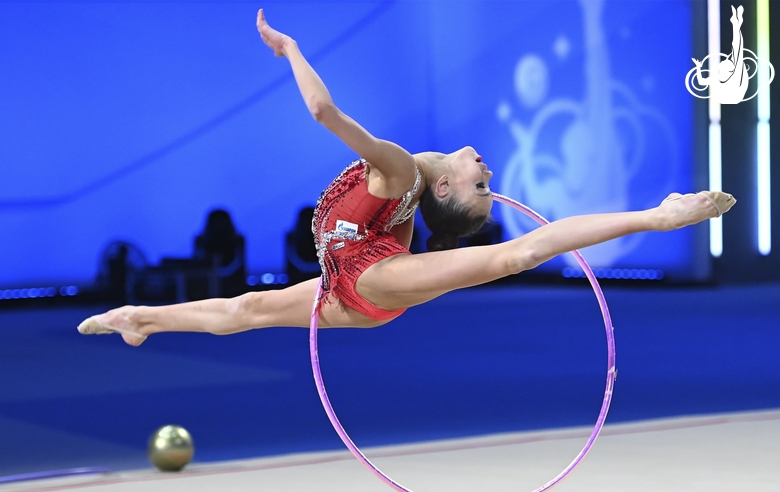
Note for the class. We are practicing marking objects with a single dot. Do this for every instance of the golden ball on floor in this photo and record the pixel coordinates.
(170, 448)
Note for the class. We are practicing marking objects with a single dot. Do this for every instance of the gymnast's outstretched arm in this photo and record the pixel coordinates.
(394, 165)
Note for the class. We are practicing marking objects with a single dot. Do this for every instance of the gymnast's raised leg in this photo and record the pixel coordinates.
(408, 280)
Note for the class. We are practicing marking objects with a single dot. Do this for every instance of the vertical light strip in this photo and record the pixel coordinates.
(763, 184)
(716, 225)
(713, 46)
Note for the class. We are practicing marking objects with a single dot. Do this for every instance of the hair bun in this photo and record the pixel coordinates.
(441, 242)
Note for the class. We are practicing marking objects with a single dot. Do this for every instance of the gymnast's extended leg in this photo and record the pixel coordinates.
(287, 307)
(408, 280)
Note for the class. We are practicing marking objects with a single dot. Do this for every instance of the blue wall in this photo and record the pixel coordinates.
(131, 120)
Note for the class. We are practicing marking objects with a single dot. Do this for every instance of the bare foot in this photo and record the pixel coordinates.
(679, 211)
(114, 321)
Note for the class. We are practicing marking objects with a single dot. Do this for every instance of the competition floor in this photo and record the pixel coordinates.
(714, 453)
(485, 389)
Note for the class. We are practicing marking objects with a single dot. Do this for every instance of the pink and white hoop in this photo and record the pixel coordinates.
(611, 371)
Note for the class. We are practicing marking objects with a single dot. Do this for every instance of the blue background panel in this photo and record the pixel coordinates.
(131, 120)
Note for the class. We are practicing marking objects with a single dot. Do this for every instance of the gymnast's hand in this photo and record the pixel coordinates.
(273, 38)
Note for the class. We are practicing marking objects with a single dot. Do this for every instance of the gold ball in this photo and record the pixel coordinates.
(170, 448)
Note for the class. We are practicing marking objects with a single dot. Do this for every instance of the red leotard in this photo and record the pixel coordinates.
(351, 232)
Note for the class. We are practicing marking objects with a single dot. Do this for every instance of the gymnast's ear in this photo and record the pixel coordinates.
(442, 187)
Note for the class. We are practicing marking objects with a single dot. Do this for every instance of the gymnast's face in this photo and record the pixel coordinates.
(471, 180)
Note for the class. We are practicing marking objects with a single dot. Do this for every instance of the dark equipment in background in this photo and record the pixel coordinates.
(223, 250)
(217, 268)
(119, 264)
(299, 251)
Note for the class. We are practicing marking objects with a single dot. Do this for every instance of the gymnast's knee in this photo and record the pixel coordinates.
(523, 258)
(249, 309)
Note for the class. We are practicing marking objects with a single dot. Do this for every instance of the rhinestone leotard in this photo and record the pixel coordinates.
(351, 232)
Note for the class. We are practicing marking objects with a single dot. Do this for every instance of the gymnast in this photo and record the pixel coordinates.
(363, 225)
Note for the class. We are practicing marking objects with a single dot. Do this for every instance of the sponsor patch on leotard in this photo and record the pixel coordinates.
(343, 225)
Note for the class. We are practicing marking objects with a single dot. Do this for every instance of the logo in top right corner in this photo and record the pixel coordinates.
(729, 81)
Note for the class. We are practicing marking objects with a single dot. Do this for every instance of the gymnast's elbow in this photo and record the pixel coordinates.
(321, 110)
